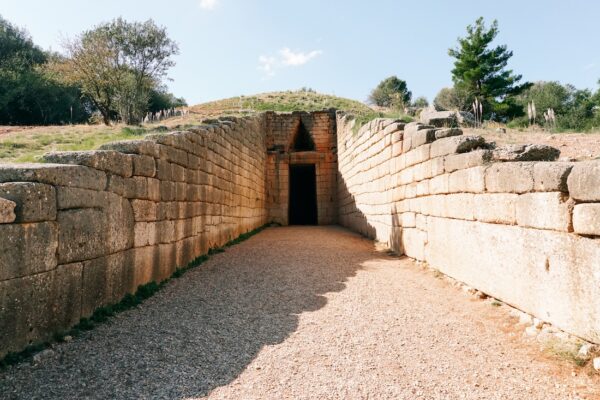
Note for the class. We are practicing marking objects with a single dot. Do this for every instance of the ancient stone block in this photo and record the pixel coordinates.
(439, 184)
(496, 208)
(7, 211)
(54, 174)
(413, 243)
(456, 144)
(81, 234)
(448, 132)
(551, 177)
(35, 201)
(544, 211)
(125, 187)
(422, 137)
(474, 158)
(27, 249)
(104, 160)
(584, 181)
(525, 152)
(144, 210)
(142, 147)
(459, 206)
(509, 178)
(470, 180)
(144, 166)
(68, 197)
(393, 128)
(586, 219)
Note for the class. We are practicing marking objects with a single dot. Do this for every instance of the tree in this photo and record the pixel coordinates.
(161, 99)
(117, 65)
(452, 99)
(547, 95)
(481, 71)
(391, 92)
(420, 102)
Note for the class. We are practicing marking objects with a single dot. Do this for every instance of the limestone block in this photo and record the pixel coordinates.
(54, 174)
(81, 235)
(125, 187)
(474, 158)
(545, 211)
(393, 128)
(440, 184)
(459, 206)
(34, 307)
(142, 147)
(418, 155)
(173, 155)
(456, 144)
(584, 181)
(413, 243)
(496, 208)
(421, 222)
(408, 220)
(422, 137)
(7, 211)
(144, 166)
(68, 197)
(35, 202)
(119, 224)
(164, 172)
(525, 152)
(167, 191)
(509, 178)
(552, 275)
(586, 219)
(470, 180)
(448, 132)
(551, 176)
(27, 249)
(104, 160)
(144, 210)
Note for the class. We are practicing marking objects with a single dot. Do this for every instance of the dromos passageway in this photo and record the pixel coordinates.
(302, 313)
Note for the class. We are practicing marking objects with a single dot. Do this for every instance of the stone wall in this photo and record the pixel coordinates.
(92, 226)
(519, 229)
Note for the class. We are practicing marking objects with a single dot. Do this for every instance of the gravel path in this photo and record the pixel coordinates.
(302, 313)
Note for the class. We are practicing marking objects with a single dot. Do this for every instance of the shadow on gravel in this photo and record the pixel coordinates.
(203, 330)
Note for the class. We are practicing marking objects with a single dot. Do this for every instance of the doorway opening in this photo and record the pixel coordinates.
(303, 195)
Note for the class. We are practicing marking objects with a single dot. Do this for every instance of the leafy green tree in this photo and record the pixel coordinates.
(118, 64)
(391, 92)
(420, 102)
(452, 99)
(481, 70)
(547, 95)
(161, 99)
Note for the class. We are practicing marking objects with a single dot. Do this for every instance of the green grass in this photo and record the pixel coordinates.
(103, 314)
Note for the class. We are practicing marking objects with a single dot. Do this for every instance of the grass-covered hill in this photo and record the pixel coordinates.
(28, 143)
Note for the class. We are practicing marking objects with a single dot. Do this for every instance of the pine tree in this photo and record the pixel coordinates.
(480, 70)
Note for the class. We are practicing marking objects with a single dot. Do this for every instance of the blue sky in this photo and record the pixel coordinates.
(235, 47)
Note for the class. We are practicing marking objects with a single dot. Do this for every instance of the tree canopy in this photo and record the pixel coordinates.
(391, 92)
(481, 70)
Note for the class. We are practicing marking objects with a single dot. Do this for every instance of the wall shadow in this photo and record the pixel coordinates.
(203, 330)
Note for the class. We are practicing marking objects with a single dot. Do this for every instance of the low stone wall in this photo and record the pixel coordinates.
(92, 226)
(524, 231)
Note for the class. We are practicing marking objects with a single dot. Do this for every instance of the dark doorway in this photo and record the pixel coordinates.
(303, 140)
(303, 195)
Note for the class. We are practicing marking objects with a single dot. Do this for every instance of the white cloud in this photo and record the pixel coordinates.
(267, 65)
(208, 4)
(296, 59)
(286, 58)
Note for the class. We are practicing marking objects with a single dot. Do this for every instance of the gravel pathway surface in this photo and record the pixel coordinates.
(303, 313)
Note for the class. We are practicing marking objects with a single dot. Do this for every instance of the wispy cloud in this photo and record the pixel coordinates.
(296, 59)
(286, 58)
(589, 66)
(208, 4)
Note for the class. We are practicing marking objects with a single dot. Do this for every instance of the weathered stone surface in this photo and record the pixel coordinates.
(105, 160)
(27, 249)
(529, 267)
(525, 152)
(456, 144)
(422, 137)
(54, 174)
(35, 201)
(509, 178)
(551, 177)
(68, 197)
(448, 132)
(470, 180)
(459, 206)
(413, 243)
(142, 147)
(584, 181)
(81, 235)
(144, 166)
(394, 127)
(144, 210)
(474, 158)
(544, 211)
(56, 307)
(586, 219)
(446, 118)
(7, 211)
(496, 208)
